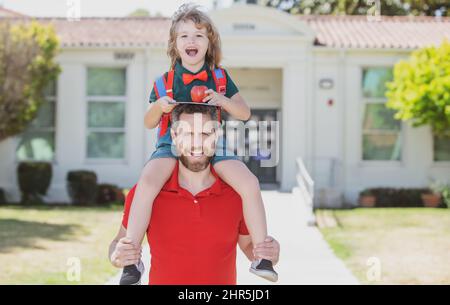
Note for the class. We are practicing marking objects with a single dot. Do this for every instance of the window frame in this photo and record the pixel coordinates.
(17, 139)
(437, 163)
(363, 101)
(108, 98)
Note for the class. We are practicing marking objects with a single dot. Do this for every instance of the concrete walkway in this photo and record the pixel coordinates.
(305, 257)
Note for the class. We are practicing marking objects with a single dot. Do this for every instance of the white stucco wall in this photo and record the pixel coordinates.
(261, 87)
(338, 130)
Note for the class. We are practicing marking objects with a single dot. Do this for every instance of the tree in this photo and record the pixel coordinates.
(420, 90)
(362, 7)
(27, 67)
(140, 12)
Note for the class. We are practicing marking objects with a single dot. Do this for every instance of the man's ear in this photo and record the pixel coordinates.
(173, 135)
(218, 131)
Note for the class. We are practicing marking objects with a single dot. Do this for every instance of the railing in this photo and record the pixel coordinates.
(306, 187)
(328, 182)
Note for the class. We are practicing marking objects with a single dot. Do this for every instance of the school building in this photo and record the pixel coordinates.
(321, 77)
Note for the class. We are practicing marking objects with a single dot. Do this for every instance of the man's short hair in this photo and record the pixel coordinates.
(191, 108)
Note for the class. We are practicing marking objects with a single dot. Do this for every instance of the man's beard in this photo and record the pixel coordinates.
(195, 166)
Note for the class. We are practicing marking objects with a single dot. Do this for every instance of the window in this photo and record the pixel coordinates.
(381, 133)
(106, 94)
(441, 148)
(37, 142)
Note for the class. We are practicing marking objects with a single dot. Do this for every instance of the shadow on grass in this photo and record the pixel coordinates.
(25, 234)
(64, 207)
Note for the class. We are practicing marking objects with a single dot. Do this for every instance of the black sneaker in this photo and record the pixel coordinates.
(131, 275)
(264, 269)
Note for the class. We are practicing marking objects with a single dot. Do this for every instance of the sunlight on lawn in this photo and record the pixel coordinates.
(412, 245)
(36, 243)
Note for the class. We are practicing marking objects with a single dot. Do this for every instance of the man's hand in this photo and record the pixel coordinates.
(269, 249)
(125, 253)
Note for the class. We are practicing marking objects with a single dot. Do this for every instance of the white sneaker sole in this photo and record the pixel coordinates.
(270, 276)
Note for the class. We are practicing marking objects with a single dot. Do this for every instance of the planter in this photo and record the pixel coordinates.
(431, 200)
(367, 201)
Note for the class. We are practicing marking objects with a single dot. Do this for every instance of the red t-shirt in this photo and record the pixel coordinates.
(193, 238)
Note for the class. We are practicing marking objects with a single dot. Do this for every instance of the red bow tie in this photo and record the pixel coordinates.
(188, 78)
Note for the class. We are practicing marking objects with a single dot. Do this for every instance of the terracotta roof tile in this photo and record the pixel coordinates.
(4, 12)
(331, 31)
(390, 32)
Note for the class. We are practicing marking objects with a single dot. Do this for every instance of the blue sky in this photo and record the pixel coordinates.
(90, 8)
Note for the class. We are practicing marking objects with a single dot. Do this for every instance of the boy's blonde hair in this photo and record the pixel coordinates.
(191, 12)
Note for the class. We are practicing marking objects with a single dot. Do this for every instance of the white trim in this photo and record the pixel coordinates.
(440, 164)
(105, 161)
(107, 129)
(400, 51)
(374, 100)
(131, 48)
(259, 12)
(264, 38)
(106, 99)
(341, 96)
(375, 132)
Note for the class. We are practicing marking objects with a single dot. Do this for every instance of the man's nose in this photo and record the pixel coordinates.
(198, 140)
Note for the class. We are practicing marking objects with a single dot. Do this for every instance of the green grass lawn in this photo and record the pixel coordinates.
(411, 244)
(36, 243)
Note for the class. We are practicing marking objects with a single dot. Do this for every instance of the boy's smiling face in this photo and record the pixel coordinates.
(192, 43)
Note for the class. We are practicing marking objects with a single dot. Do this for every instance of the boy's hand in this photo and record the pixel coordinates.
(269, 249)
(125, 253)
(166, 104)
(214, 98)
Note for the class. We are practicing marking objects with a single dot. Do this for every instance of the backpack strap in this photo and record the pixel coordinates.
(220, 80)
(221, 86)
(164, 87)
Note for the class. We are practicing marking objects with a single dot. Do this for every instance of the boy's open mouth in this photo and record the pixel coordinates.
(191, 51)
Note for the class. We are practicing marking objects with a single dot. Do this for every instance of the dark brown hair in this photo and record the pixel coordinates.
(191, 108)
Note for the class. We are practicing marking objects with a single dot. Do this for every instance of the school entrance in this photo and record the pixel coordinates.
(259, 144)
(264, 174)
(261, 88)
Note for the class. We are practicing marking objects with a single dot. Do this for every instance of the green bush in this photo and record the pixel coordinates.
(398, 197)
(34, 180)
(446, 196)
(444, 190)
(82, 187)
(109, 193)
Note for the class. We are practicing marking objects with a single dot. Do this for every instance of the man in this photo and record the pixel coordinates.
(197, 219)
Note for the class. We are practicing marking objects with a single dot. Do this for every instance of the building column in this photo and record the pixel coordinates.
(156, 64)
(293, 121)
